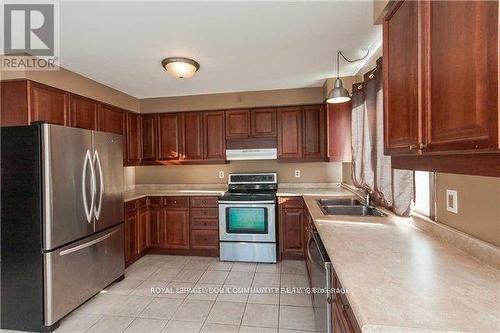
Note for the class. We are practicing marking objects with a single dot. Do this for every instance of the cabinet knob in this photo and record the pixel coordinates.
(422, 145)
(412, 147)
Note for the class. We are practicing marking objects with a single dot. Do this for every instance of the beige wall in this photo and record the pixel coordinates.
(78, 84)
(208, 174)
(233, 100)
(478, 205)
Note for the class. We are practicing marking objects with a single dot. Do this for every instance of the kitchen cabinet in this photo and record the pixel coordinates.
(14, 102)
(440, 86)
(204, 223)
(131, 231)
(292, 219)
(82, 112)
(214, 136)
(110, 119)
(237, 124)
(142, 225)
(289, 133)
(133, 139)
(193, 136)
(170, 140)
(149, 135)
(157, 222)
(263, 122)
(177, 223)
(343, 319)
(48, 104)
(314, 140)
(339, 132)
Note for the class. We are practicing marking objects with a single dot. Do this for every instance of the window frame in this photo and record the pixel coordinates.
(432, 195)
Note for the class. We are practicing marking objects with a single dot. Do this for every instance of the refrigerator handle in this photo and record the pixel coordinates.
(87, 161)
(97, 209)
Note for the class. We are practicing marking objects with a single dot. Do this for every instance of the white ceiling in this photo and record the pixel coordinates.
(241, 46)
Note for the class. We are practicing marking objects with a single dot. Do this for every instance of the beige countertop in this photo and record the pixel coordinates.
(401, 279)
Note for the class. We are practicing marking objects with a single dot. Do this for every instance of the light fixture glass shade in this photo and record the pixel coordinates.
(181, 68)
(338, 94)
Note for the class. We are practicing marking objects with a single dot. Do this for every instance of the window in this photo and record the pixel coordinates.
(424, 187)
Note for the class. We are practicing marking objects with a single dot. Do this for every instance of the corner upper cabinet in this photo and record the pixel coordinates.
(214, 138)
(82, 112)
(289, 133)
(462, 75)
(149, 134)
(133, 139)
(237, 124)
(401, 78)
(110, 119)
(170, 136)
(48, 104)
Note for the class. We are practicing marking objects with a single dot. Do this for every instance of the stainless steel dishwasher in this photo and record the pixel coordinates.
(319, 266)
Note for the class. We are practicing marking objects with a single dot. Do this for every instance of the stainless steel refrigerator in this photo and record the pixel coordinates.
(61, 221)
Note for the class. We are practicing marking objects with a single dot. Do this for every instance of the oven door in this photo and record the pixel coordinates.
(252, 221)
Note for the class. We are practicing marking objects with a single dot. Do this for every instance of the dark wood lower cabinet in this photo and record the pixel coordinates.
(343, 319)
(177, 228)
(292, 217)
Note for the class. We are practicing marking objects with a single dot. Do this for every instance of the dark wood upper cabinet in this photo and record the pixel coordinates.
(133, 139)
(237, 124)
(215, 141)
(193, 136)
(462, 75)
(110, 119)
(14, 103)
(402, 113)
(314, 139)
(263, 122)
(339, 132)
(289, 133)
(170, 136)
(82, 112)
(48, 104)
(149, 132)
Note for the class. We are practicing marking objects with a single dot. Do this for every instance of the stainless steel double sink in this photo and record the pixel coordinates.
(347, 206)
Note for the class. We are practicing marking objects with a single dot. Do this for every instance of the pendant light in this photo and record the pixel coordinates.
(339, 94)
(181, 68)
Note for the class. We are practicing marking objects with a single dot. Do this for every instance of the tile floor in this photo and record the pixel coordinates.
(130, 306)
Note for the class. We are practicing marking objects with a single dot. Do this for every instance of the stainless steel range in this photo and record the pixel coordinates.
(247, 218)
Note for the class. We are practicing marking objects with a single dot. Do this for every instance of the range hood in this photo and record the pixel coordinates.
(251, 154)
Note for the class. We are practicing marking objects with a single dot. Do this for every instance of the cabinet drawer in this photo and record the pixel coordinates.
(177, 202)
(199, 223)
(155, 201)
(291, 202)
(130, 207)
(142, 204)
(204, 201)
(204, 239)
(204, 213)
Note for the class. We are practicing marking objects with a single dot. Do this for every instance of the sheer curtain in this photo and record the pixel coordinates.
(371, 170)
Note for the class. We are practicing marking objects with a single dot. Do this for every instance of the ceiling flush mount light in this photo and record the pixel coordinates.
(181, 68)
(339, 94)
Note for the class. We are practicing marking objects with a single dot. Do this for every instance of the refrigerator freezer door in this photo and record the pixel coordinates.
(108, 163)
(76, 272)
(67, 184)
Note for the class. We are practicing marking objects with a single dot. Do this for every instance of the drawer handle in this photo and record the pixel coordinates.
(412, 147)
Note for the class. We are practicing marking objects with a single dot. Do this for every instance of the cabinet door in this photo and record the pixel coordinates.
(177, 228)
(157, 225)
(313, 125)
(142, 237)
(131, 248)
(82, 112)
(149, 132)
(133, 138)
(339, 132)
(401, 79)
(263, 123)
(462, 66)
(170, 136)
(48, 104)
(193, 136)
(215, 141)
(292, 231)
(237, 124)
(110, 119)
(289, 133)
(205, 239)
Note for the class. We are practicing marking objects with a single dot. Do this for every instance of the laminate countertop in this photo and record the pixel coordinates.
(401, 279)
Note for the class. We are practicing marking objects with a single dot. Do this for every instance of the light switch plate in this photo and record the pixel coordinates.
(452, 201)
(297, 173)
(221, 174)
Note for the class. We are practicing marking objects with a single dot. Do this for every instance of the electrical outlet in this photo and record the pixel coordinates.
(221, 174)
(452, 201)
(297, 173)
